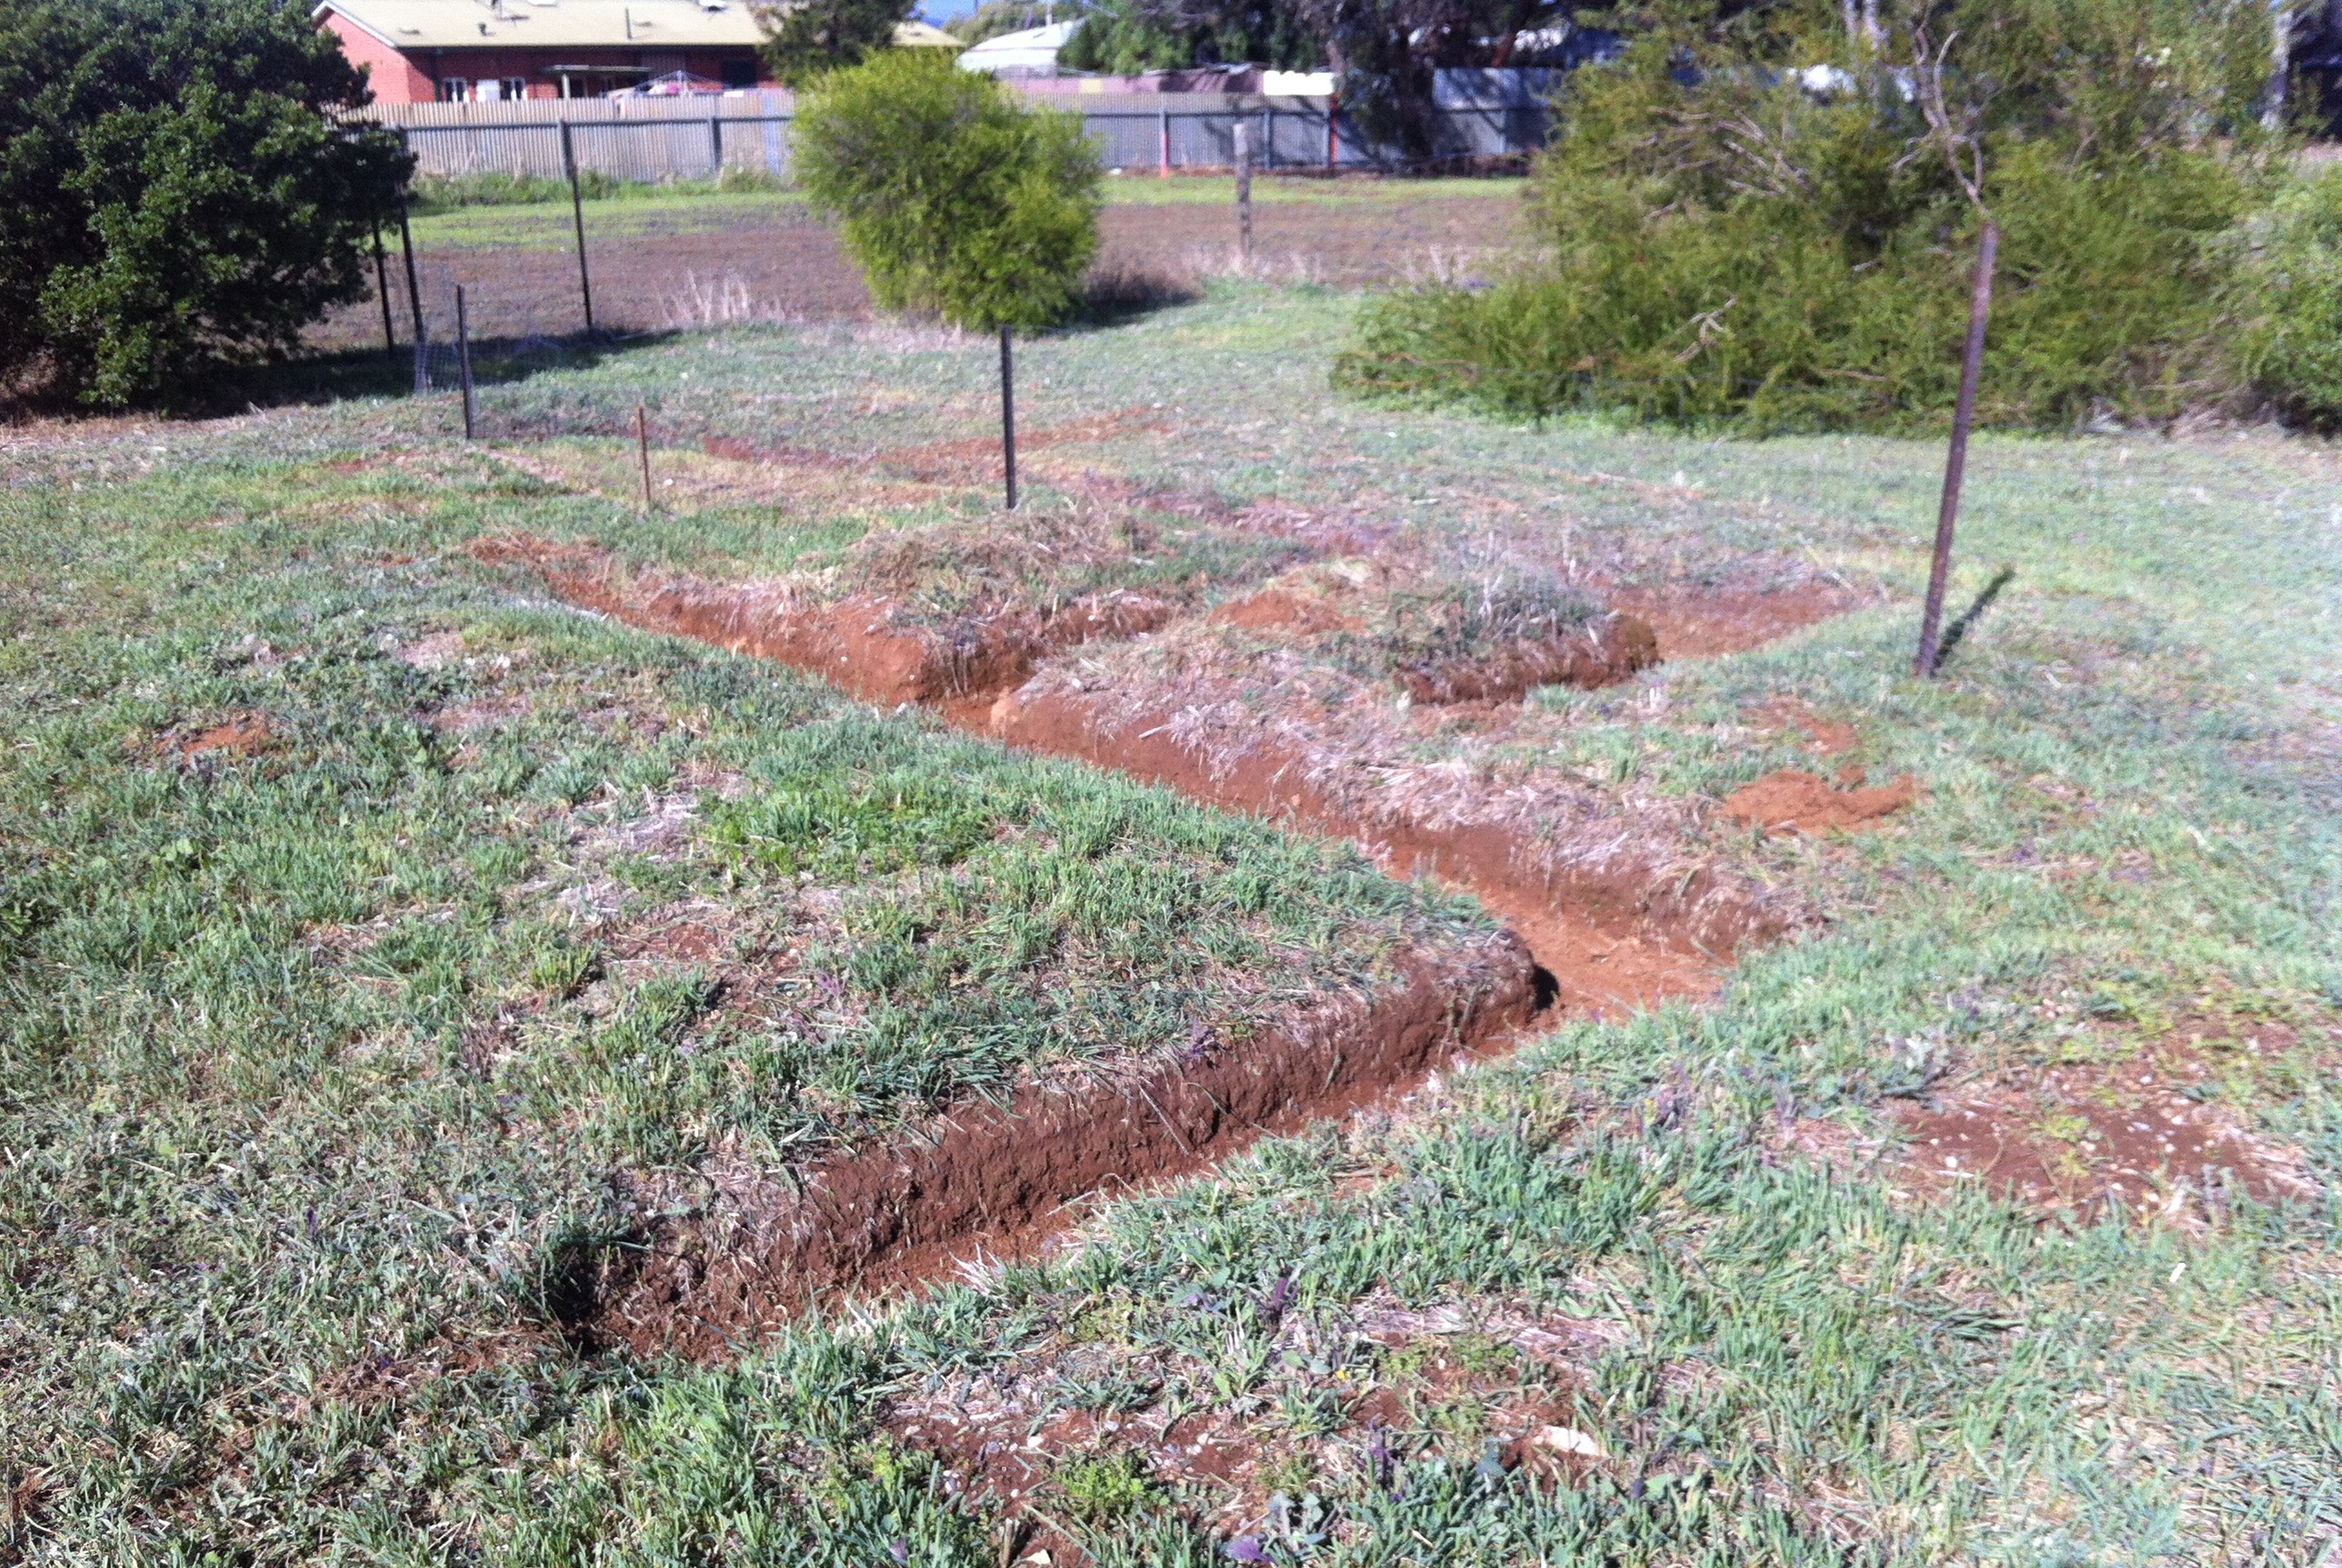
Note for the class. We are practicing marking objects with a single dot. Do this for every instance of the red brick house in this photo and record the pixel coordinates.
(422, 51)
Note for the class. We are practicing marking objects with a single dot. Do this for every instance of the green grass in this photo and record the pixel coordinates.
(309, 1062)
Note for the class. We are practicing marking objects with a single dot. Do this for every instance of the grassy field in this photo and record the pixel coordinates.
(347, 996)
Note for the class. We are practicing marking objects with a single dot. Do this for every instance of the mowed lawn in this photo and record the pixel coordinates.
(345, 1004)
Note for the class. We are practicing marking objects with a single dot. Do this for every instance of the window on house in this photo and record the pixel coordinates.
(739, 74)
(454, 89)
(514, 86)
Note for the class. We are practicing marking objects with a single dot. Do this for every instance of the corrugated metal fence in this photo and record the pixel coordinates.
(654, 139)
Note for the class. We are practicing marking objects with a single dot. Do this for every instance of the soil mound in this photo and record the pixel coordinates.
(991, 1177)
(1611, 650)
(1793, 801)
(1283, 610)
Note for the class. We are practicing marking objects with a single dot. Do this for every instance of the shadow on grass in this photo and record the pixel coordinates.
(342, 374)
(1959, 629)
(1117, 294)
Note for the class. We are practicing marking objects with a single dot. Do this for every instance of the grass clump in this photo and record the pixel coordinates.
(1732, 239)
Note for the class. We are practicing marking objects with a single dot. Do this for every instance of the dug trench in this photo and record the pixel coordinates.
(708, 1262)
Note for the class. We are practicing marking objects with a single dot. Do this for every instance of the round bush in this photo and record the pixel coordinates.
(953, 199)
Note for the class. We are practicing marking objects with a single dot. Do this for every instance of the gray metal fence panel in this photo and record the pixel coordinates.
(672, 145)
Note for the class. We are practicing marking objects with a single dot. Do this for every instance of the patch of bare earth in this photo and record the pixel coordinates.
(1793, 801)
(2139, 1133)
(1693, 621)
(1474, 1384)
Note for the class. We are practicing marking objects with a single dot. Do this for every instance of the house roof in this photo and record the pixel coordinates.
(1033, 49)
(659, 24)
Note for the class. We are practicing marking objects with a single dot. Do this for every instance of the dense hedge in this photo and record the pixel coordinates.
(1724, 242)
(174, 190)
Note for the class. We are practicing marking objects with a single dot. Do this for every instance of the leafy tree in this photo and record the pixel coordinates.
(805, 38)
(1123, 38)
(176, 190)
(951, 196)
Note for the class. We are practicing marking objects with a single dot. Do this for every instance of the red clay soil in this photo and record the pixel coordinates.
(1608, 946)
(1283, 610)
(1793, 801)
(854, 644)
(1693, 622)
(1829, 737)
(1606, 651)
(2132, 1133)
(244, 736)
(987, 1178)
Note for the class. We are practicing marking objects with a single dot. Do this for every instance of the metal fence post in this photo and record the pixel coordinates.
(1243, 139)
(382, 291)
(1267, 138)
(1947, 512)
(1009, 417)
(464, 358)
(1333, 131)
(715, 144)
(1163, 130)
(414, 301)
(577, 211)
(643, 444)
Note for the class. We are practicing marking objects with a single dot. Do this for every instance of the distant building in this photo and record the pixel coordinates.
(471, 51)
(1032, 52)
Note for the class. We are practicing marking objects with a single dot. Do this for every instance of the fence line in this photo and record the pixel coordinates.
(1299, 134)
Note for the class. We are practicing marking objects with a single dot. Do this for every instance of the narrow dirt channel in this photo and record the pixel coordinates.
(729, 1255)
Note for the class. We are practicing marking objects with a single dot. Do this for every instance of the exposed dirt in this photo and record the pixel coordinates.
(739, 1259)
(1783, 715)
(1700, 623)
(1609, 944)
(245, 735)
(1500, 1385)
(859, 644)
(1794, 801)
(784, 264)
(2138, 1132)
(1285, 610)
(1610, 649)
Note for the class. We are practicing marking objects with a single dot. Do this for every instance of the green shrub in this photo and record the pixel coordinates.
(1737, 251)
(952, 198)
(174, 190)
(2286, 297)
